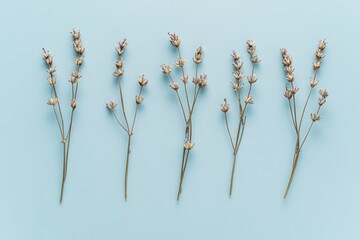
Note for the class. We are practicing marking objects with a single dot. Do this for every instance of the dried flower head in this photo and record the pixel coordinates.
(180, 62)
(118, 73)
(46, 54)
(121, 48)
(319, 55)
(252, 79)
(283, 51)
(174, 39)
(294, 90)
(321, 101)
(251, 47)
(75, 76)
(77, 43)
(290, 77)
(48, 61)
(52, 81)
(323, 93)
(235, 56)
(139, 99)
(185, 78)
(287, 61)
(78, 61)
(73, 103)
(174, 86)
(313, 82)
(255, 59)
(76, 34)
(166, 69)
(188, 145)
(51, 70)
(196, 80)
(315, 117)
(238, 75)
(236, 85)
(111, 105)
(225, 106)
(238, 64)
(198, 55)
(52, 101)
(250, 43)
(288, 93)
(119, 64)
(142, 81)
(322, 45)
(316, 65)
(289, 69)
(203, 81)
(249, 100)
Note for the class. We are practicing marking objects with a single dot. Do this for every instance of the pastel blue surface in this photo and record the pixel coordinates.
(324, 199)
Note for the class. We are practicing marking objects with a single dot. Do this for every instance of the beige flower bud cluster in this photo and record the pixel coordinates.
(119, 64)
(289, 93)
(74, 77)
(111, 105)
(139, 99)
(180, 62)
(238, 74)
(188, 145)
(142, 81)
(289, 70)
(201, 81)
(198, 57)
(79, 60)
(323, 96)
(78, 46)
(48, 59)
(251, 50)
(319, 54)
(53, 101)
(174, 39)
(287, 62)
(225, 106)
(121, 48)
(166, 69)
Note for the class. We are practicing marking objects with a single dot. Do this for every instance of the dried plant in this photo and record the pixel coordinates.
(247, 99)
(54, 100)
(187, 105)
(129, 129)
(290, 94)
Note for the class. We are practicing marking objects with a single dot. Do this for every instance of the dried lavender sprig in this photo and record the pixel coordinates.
(54, 99)
(200, 82)
(290, 95)
(248, 99)
(129, 129)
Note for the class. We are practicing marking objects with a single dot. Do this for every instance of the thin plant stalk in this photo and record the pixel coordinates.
(129, 129)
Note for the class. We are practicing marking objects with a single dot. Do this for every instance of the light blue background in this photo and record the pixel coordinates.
(324, 200)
